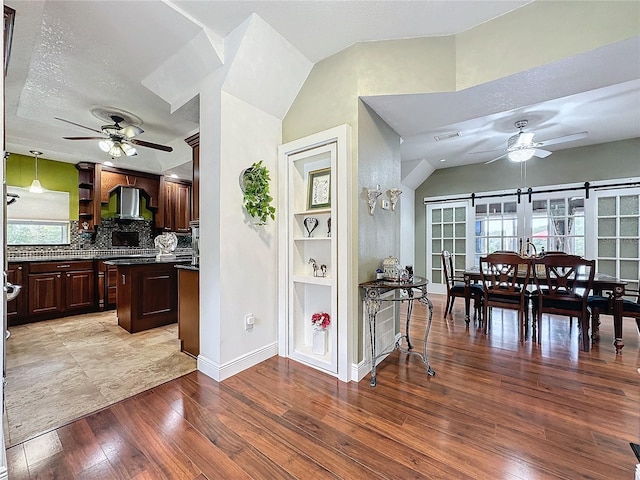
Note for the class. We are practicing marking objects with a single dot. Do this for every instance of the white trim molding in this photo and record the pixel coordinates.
(221, 372)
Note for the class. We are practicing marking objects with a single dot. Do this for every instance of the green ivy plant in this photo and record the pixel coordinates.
(257, 200)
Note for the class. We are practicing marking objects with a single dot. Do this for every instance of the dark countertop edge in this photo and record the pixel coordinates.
(88, 256)
(194, 268)
(147, 261)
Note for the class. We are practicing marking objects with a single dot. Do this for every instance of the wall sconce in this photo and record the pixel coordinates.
(394, 193)
(372, 196)
(35, 185)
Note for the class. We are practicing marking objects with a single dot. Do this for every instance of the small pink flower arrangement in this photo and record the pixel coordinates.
(321, 320)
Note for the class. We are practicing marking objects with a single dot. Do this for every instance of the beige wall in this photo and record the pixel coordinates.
(537, 34)
(540, 33)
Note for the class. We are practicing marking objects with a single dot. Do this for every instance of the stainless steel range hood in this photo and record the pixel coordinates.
(128, 203)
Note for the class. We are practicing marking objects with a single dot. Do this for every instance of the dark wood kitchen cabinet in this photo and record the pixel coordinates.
(56, 288)
(17, 308)
(147, 294)
(175, 210)
(194, 142)
(107, 284)
(189, 309)
(88, 190)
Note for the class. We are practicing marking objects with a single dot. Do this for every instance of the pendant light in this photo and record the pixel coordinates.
(35, 185)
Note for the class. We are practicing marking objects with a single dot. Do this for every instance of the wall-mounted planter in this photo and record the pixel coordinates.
(254, 183)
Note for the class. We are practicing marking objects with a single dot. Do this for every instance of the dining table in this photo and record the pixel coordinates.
(601, 283)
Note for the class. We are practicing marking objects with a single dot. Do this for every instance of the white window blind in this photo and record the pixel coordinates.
(46, 206)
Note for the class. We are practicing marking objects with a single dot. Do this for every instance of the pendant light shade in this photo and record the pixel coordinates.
(116, 149)
(35, 185)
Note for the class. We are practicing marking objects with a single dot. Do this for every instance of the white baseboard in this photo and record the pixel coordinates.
(638, 472)
(220, 372)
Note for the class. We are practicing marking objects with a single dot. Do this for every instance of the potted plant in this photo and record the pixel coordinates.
(255, 187)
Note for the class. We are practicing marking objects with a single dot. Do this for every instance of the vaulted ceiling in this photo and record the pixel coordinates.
(78, 60)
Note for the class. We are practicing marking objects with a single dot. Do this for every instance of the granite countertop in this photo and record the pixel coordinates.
(66, 256)
(148, 260)
(195, 268)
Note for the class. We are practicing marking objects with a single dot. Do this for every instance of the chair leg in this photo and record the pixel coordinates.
(446, 307)
(586, 341)
(638, 324)
(595, 325)
(453, 299)
(486, 314)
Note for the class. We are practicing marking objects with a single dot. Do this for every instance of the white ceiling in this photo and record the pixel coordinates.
(69, 57)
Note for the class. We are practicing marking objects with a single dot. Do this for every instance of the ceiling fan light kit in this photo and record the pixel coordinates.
(117, 140)
(521, 155)
(521, 147)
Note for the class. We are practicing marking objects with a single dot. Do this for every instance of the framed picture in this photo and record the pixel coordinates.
(319, 189)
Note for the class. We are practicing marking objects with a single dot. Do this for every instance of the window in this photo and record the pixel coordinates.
(38, 218)
(37, 233)
(617, 231)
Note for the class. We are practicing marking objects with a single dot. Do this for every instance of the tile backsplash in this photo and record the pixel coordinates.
(88, 243)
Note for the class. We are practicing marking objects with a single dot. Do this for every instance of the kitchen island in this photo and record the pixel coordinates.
(147, 292)
(189, 309)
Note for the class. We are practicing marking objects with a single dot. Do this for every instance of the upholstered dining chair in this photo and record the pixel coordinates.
(563, 283)
(455, 286)
(599, 304)
(505, 276)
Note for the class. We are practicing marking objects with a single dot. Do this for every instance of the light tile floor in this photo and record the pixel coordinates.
(60, 370)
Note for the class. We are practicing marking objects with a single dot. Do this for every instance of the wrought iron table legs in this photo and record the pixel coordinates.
(373, 304)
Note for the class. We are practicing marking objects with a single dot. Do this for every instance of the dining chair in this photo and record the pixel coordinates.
(505, 277)
(599, 304)
(456, 287)
(563, 283)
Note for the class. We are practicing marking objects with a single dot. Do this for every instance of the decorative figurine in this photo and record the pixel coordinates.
(394, 193)
(372, 196)
(323, 270)
(314, 265)
(310, 224)
(166, 243)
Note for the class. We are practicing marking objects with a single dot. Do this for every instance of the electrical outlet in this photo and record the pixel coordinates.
(249, 320)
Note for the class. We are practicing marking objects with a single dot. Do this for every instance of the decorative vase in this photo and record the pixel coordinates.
(319, 341)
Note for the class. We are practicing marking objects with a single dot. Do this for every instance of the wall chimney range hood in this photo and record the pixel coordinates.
(128, 203)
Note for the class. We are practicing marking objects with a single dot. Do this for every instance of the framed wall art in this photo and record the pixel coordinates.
(319, 189)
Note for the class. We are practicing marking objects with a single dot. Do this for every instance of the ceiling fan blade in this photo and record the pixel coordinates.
(84, 138)
(488, 151)
(541, 153)
(142, 143)
(566, 138)
(77, 124)
(130, 131)
(497, 158)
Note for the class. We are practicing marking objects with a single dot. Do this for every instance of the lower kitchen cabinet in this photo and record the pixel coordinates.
(57, 288)
(17, 308)
(147, 295)
(189, 309)
(107, 284)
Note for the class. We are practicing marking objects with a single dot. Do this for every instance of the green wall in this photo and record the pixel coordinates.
(573, 165)
(53, 175)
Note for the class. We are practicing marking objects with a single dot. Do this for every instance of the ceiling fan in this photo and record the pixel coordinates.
(521, 147)
(117, 140)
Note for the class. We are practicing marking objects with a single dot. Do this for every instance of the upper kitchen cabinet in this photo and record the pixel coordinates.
(194, 142)
(175, 210)
(89, 201)
(111, 178)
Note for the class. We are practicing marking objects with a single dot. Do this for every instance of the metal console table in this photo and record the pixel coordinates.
(415, 289)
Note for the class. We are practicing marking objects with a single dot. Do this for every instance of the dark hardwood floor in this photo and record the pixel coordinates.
(497, 408)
